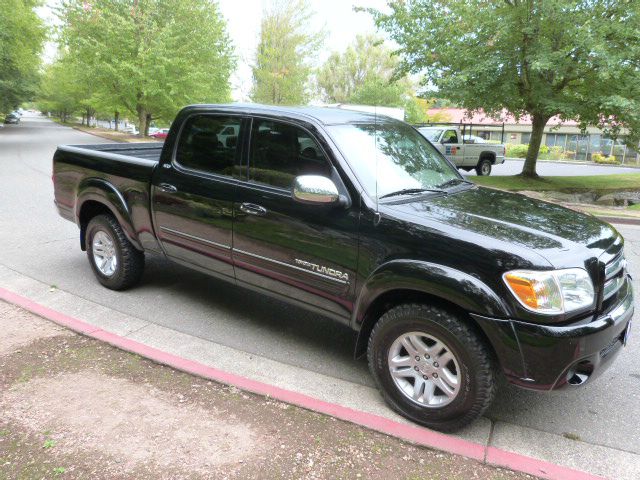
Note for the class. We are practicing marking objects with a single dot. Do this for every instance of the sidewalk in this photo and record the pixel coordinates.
(109, 134)
(75, 407)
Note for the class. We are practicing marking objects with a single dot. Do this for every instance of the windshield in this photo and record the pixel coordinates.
(404, 159)
(433, 134)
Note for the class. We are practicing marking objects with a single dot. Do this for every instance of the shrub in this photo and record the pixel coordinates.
(520, 151)
(601, 158)
(517, 150)
(556, 153)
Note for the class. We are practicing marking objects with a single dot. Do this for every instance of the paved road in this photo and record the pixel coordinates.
(513, 167)
(38, 244)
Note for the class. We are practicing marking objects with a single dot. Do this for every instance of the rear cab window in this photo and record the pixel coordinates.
(209, 144)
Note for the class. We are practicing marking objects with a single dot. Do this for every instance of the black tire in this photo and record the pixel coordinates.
(130, 261)
(484, 167)
(478, 373)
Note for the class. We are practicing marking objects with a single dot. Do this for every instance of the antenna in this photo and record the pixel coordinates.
(375, 150)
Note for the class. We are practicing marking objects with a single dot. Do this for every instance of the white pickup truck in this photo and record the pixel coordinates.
(468, 154)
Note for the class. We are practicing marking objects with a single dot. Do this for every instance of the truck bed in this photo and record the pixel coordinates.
(116, 174)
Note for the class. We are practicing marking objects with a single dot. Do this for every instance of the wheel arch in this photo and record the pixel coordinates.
(487, 155)
(97, 196)
(420, 282)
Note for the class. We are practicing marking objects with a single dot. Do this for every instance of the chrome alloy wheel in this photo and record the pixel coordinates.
(104, 253)
(424, 369)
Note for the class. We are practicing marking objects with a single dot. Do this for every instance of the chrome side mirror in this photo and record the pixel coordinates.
(315, 189)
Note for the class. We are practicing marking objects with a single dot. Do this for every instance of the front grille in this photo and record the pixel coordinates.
(615, 272)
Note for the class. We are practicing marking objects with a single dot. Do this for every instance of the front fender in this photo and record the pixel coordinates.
(103, 192)
(456, 287)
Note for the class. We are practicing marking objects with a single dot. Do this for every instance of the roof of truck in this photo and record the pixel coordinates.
(324, 115)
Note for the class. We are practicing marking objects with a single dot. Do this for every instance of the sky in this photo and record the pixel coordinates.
(337, 17)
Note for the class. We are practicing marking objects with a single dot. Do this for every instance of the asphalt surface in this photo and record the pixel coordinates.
(38, 244)
(564, 169)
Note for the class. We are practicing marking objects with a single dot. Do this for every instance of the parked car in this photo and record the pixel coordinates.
(467, 156)
(131, 129)
(448, 285)
(160, 133)
(12, 119)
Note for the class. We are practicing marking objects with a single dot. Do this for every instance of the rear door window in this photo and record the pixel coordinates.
(209, 143)
(279, 152)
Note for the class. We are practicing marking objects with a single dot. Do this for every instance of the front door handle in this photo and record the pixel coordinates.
(167, 187)
(253, 209)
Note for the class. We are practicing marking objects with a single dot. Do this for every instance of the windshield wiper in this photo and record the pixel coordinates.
(454, 181)
(410, 191)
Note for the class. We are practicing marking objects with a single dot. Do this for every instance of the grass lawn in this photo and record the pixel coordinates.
(600, 183)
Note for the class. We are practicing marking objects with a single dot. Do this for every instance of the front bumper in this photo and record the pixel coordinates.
(547, 357)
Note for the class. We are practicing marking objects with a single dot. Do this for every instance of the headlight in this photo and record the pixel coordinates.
(551, 292)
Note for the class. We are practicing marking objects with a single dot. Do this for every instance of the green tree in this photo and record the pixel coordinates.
(365, 74)
(151, 57)
(577, 59)
(22, 34)
(367, 64)
(282, 66)
(59, 90)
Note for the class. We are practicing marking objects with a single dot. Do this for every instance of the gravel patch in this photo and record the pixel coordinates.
(134, 423)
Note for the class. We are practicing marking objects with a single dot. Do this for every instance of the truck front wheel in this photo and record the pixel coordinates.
(115, 261)
(431, 367)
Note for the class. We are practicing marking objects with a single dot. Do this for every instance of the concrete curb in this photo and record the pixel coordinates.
(418, 435)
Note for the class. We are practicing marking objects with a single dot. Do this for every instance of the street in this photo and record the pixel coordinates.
(565, 169)
(591, 429)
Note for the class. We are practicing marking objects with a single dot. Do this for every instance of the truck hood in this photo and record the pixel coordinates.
(511, 218)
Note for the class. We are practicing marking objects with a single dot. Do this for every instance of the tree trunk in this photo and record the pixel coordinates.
(537, 129)
(82, 119)
(116, 115)
(142, 119)
(148, 122)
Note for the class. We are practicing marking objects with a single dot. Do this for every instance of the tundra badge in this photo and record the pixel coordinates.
(330, 272)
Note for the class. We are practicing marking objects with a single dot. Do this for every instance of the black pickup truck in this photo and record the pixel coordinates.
(447, 285)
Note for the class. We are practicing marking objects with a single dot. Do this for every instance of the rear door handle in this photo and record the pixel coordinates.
(253, 209)
(167, 187)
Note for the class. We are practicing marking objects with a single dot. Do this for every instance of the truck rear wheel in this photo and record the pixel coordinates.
(431, 367)
(484, 167)
(115, 261)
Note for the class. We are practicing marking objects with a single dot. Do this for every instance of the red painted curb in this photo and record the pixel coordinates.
(412, 433)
